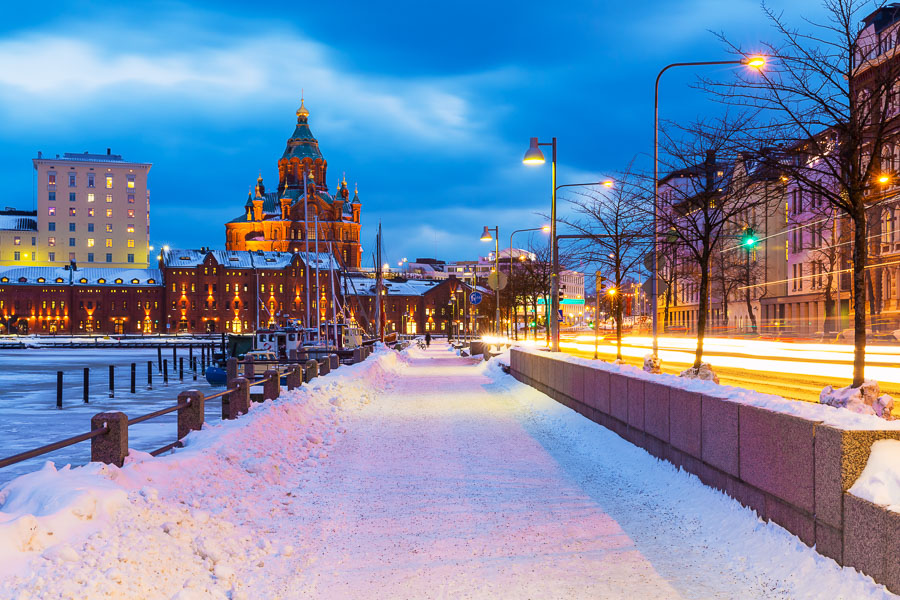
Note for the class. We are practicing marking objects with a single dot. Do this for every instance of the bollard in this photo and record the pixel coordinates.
(112, 381)
(174, 356)
(324, 366)
(311, 371)
(335, 362)
(149, 374)
(357, 355)
(193, 362)
(87, 378)
(272, 386)
(166, 372)
(294, 377)
(180, 368)
(190, 418)
(292, 355)
(133, 376)
(248, 367)
(231, 370)
(237, 402)
(59, 389)
(159, 358)
(191, 354)
(112, 447)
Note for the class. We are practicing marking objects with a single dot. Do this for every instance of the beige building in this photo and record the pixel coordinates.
(91, 209)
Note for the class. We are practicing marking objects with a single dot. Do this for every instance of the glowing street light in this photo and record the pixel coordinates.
(757, 62)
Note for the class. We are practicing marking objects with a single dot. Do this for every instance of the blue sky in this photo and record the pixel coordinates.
(428, 106)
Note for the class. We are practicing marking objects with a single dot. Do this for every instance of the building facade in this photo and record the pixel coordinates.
(91, 208)
(300, 215)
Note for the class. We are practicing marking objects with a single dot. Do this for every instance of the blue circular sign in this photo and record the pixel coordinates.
(475, 298)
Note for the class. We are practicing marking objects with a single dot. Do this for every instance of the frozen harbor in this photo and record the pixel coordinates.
(421, 475)
(28, 413)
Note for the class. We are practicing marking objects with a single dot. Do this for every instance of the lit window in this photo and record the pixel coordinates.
(17, 241)
(90, 242)
(108, 243)
(109, 228)
(130, 198)
(71, 212)
(51, 241)
(130, 228)
(131, 182)
(51, 211)
(90, 180)
(109, 181)
(90, 212)
(108, 198)
(130, 213)
(71, 179)
(90, 197)
(108, 212)
(131, 243)
(51, 178)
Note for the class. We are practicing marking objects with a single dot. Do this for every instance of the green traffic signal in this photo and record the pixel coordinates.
(748, 239)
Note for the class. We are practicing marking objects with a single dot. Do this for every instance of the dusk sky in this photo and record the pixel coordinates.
(428, 107)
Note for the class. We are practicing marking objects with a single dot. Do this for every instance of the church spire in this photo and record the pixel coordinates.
(302, 113)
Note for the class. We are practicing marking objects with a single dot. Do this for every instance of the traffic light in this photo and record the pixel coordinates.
(748, 238)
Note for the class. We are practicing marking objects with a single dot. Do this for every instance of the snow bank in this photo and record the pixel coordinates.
(136, 522)
(879, 482)
(866, 399)
(828, 415)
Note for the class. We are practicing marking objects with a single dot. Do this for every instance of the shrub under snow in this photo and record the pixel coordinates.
(704, 372)
(866, 399)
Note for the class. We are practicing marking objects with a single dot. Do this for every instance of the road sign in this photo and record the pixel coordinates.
(560, 318)
(661, 287)
(648, 261)
(475, 298)
(497, 280)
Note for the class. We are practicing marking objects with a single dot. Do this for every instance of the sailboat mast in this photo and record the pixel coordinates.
(378, 285)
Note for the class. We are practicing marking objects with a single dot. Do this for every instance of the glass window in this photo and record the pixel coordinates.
(108, 212)
(131, 243)
(131, 258)
(109, 258)
(90, 242)
(71, 212)
(51, 178)
(108, 242)
(71, 242)
(51, 211)
(131, 182)
(90, 180)
(90, 227)
(71, 179)
(17, 255)
(51, 226)
(130, 213)
(130, 198)
(71, 226)
(71, 256)
(90, 212)
(51, 241)
(51, 256)
(17, 241)
(33, 241)
(90, 257)
(108, 198)
(130, 228)
(71, 196)
(51, 196)
(90, 197)
(109, 181)
(109, 228)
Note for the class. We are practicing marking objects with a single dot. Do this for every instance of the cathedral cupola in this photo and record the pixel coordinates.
(260, 188)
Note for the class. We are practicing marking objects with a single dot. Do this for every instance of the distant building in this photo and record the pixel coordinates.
(91, 208)
(300, 214)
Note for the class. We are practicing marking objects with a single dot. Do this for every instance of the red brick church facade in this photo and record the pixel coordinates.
(300, 215)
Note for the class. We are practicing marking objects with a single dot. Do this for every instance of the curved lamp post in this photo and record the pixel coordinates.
(545, 229)
(486, 237)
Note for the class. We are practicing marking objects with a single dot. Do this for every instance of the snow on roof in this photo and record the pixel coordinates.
(90, 276)
(247, 259)
(18, 222)
(365, 286)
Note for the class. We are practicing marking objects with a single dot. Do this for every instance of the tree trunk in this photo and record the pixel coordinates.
(830, 322)
(702, 309)
(617, 300)
(860, 257)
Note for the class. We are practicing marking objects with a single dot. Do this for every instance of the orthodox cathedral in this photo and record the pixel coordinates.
(300, 215)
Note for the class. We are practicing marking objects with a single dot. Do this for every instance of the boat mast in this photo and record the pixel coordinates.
(378, 285)
(306, 237)
(318, 283)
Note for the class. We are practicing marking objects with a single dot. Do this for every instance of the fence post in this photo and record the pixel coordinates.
(272, 386)
(112, 381)
(166, 371)
(174, 355)
(191, 354)
(149, 374)
(133, 376)
(294, 377)
(231, 370)
(325, 366)
(357, 355)
(87, 378)
(180, 368)
(248, 367)
(193, 362)
(190, 418)
(59, 375)
(311, 371)
(238, 400)
(112, 447)
(335, 362)
(159, 358)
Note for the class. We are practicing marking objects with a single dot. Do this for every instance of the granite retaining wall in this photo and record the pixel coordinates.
(792, 471)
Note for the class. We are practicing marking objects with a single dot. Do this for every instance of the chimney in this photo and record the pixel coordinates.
(108, 151)
(40, 154)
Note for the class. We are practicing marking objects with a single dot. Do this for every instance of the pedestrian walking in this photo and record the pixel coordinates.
(427, 340)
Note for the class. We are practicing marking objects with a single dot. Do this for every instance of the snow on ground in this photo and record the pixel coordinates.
(29, 417)
(421, 475)
(879, 482)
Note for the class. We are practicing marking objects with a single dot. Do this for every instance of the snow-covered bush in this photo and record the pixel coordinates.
(652, 364)
(866, 399)
(704, 372)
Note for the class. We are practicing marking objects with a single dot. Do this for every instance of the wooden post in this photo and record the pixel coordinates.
(149, 374)
(87, 380)
(59, 375)
(335, 362)
(181, 368)
(324, 366)
(159, 358)
(112, 381)
(112, 447)
(194, 366)
(191, 355)
(166, 372)
(272, 386)
(238, 402)
(248, 367)
(231, 370)
(190, 418)
(311, 371)
(174, 356)
(133, 376)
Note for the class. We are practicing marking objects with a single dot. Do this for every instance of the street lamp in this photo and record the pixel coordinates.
(486, 237)
(545, 229)
(755, 62)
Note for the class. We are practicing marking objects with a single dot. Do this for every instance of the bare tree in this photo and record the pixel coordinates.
(617, 227)
(829, 95)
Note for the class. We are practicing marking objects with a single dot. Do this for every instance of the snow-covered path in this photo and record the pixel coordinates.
(429, 476)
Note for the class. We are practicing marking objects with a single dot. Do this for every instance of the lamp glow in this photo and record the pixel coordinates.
(545, 229)
(486, 235)
(757, 62)
(534, 156)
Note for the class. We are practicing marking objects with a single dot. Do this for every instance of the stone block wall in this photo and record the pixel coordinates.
(792, 471)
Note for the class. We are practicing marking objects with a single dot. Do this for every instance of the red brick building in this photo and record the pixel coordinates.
(300, 214)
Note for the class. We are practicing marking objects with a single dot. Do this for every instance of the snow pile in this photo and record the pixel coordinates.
(652, 364)
(189, 524)
(704, 372)
(879, 482)
(866, 399)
